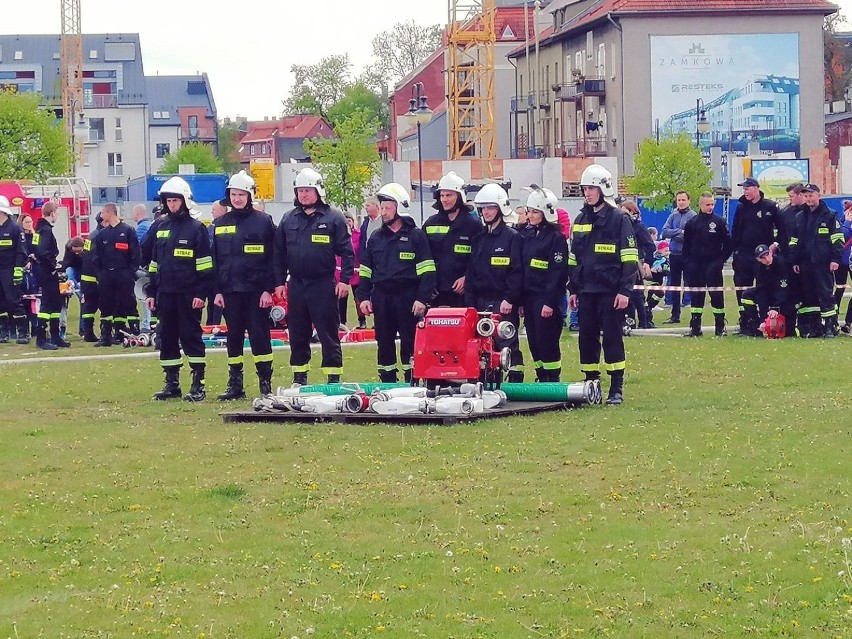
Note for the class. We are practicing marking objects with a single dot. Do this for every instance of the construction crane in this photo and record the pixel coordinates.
(471, 41)
(71, 64)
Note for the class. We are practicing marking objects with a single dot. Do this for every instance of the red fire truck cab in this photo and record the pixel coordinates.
(71, 196)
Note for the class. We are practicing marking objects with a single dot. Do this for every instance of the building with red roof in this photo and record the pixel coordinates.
(283, 140)
(607, 74)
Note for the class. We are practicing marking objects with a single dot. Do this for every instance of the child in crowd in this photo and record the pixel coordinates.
(659, 271)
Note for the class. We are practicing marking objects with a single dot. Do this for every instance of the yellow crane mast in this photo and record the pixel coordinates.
(71, 64)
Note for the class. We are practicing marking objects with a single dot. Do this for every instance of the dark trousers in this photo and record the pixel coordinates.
(841, 276)
(90, 301)
(757, 303)
(243, 313)
(214, 313)
(51, 298)
(10, 296)
(636, 306)
(597, 316)
(312, 303)
(179, 327)
(543, 335)
(392, 317)
(448, 298)
(492, 305)
(711, 277)
(116, 299)
(744, 266)
(676, 278)
(817, 291)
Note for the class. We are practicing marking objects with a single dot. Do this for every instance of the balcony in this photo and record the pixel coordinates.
(101, 101)
(529, 152)
(197, 133)
(522, 103)
(581, 148)
(574, 91)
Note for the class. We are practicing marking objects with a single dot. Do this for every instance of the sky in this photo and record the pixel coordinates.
(246, 48)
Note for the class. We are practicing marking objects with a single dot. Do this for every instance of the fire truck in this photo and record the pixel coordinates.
(70, 194)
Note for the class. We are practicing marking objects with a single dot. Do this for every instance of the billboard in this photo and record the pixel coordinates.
(745, 86)
(776, 175)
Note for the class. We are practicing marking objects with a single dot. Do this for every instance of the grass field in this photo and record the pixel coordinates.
(715, 503)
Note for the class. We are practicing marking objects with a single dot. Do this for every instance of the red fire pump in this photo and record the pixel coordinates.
(774, 327)
(457, 345)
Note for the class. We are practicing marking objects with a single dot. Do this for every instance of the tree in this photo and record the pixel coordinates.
(662, 169)
(837, 56)
(358, 97)
(33, 143)
(348, 162)
(399, 50)
(229, 148)
(317, 87)
(201, 155)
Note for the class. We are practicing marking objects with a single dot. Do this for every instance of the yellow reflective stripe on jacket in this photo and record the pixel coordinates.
(406, 255)
(540, 264)
(163, 233)
(5, 242)
(87, 245)
(321, 239)
(572, 259)
(181, 252)
(461, 248)
(437, 230)
(582, 228)
(605, 248)
(254, 248)
(500, 261)
(18, 271)
(225, 230)
(36, 238)
(365, 271)
(152, 267)
(823, 231)
(836, 237)
(630, 255)
(426, 266)
(794, 241)
(92, 278)
(203, 263)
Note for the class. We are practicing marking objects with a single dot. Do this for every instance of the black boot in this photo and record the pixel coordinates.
(106, 335)
(300, 379)
(334, 379)
(171, 388)
(720, 325)
(406, 375)
(616, 389)
(56, 335)
(118, 333)
(830, 329)
(23, 330)
(4, 329)
(235, 384)
(695, 327)
(89, 330)
(515, 377)
(264, 378)
(41, 338)
(388, 377)
(196, 393)
(592, 375)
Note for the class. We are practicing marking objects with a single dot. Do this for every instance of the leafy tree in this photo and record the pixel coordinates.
(662, 169)
(33, 143)
(317, 87)
(358, 97)
(400, 49)
(201, 155)
(348, 162)
(229, 149)
(837, 55)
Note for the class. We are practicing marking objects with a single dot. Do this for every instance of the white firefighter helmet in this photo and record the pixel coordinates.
(309, 178)
(493, 195)
(451, 182)
(176, 186)
(596, 175)
(241, 181)
(511, 218)
(394, 192)
(544, 200)
(4, 205)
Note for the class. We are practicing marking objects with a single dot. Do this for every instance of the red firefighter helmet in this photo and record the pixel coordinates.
(774, 327)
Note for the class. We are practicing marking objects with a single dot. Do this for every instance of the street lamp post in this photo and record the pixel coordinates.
(701, 123)
(419, 114)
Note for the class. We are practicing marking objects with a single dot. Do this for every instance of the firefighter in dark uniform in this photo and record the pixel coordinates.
(307, 242)
(603, 264)
(544, 255)
(451, 231)
(816, 251)
(50, 309)
(116, 256)
(89, 285)
(495, 273)
(397, 281)
(181, 270)
(13, 257)
(770, 295)
(242, 259)
(789, 214)
(706, 247)
(756, 221)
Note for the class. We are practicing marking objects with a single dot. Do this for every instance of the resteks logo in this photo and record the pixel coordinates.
(444, 322)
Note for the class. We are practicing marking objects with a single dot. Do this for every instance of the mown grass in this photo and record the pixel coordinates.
(714, 503)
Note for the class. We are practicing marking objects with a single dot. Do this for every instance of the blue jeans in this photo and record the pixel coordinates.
(73, 276)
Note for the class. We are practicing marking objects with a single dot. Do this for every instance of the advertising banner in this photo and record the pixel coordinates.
(776, 175)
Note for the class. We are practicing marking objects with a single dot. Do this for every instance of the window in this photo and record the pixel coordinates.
(264, 149)
(163, 149)
(119, 194)
(118, 130)
(96, 130)
(192, 121)
(114, 165)
(251, 149)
